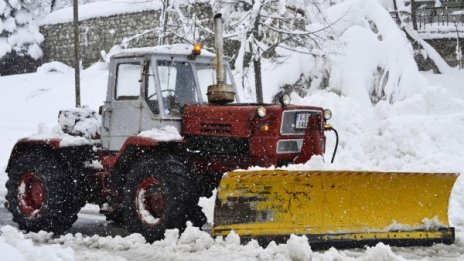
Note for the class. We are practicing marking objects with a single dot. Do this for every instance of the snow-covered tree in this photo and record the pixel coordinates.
(18, 31)
(264, 26)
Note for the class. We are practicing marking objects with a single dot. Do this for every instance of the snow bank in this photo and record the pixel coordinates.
(361, 54)
(53, 67)
(377, 61)
(29, 100)
(194, 244)
(14, 246)
(412, 135)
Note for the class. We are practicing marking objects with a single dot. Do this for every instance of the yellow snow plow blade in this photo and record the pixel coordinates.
(336, 208)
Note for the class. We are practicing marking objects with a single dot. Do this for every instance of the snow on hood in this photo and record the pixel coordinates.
(46, 133)
(166, 133)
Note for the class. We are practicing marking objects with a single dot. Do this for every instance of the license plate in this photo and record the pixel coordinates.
(301, 121)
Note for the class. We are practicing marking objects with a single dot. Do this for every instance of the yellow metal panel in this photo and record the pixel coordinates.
(322, 202)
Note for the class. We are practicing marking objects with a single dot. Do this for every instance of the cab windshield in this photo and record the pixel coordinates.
(178, 86)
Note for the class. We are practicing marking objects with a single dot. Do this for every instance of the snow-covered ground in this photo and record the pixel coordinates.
(423, 132)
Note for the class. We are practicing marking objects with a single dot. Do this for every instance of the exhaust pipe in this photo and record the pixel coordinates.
(220, 93)
(219, 46)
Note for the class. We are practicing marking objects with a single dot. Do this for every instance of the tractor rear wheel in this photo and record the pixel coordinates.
(157, 196)
(41, 193)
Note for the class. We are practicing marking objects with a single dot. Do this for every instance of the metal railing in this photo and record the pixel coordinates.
(439, 17)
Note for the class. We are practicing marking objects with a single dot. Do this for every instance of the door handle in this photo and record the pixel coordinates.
(105, 118)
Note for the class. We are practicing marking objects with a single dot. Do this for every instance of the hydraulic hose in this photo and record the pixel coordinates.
(336, 142)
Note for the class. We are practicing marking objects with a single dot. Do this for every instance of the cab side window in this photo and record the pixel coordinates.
(128, 81)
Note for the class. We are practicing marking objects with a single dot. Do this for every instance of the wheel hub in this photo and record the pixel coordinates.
(150, 201)
(31, 194)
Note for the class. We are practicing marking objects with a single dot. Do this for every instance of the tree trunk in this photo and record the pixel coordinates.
(395, 6)
(164, 20)
(52, 5)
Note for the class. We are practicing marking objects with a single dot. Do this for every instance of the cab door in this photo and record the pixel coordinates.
(122, 110)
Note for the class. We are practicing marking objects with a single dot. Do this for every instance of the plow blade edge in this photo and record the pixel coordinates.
(336, 208)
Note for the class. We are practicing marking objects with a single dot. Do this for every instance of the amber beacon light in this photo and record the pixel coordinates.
(196, 49)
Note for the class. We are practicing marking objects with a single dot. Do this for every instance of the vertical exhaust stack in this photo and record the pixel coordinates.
(220, 93)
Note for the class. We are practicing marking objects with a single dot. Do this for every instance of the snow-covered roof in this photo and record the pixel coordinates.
(175, 49)
(100, 9)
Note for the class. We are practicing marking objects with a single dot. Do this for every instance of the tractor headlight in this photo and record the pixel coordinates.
(327, 114)
(285, 100)
(261, 111)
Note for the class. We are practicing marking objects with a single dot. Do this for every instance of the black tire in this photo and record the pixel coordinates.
(55, 203)
(158, 195)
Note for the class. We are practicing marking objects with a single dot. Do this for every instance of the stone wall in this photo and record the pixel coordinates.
(97, 34)
(103, 33)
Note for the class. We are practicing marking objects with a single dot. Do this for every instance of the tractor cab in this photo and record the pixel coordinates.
(148, 88)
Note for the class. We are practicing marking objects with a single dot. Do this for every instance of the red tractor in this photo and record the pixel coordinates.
(171, 126)
(151, 184)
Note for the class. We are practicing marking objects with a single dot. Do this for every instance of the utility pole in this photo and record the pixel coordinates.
(76, 54)
(256, 56)
(413, 14)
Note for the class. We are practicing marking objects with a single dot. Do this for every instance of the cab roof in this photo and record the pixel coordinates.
(173, 49)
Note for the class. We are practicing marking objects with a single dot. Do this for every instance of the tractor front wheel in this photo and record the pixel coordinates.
(157, 196)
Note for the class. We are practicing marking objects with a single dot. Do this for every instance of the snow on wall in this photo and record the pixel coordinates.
(97, 35)
(100, 9)
(135, 25)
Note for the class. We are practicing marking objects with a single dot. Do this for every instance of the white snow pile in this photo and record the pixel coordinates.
(82, 122)
(3, 179)
(207, 206)
(165, 133)
(363, 54)
(54, 67)
(44, 132)
(14, 246)
(376, 61)
(194, 244)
